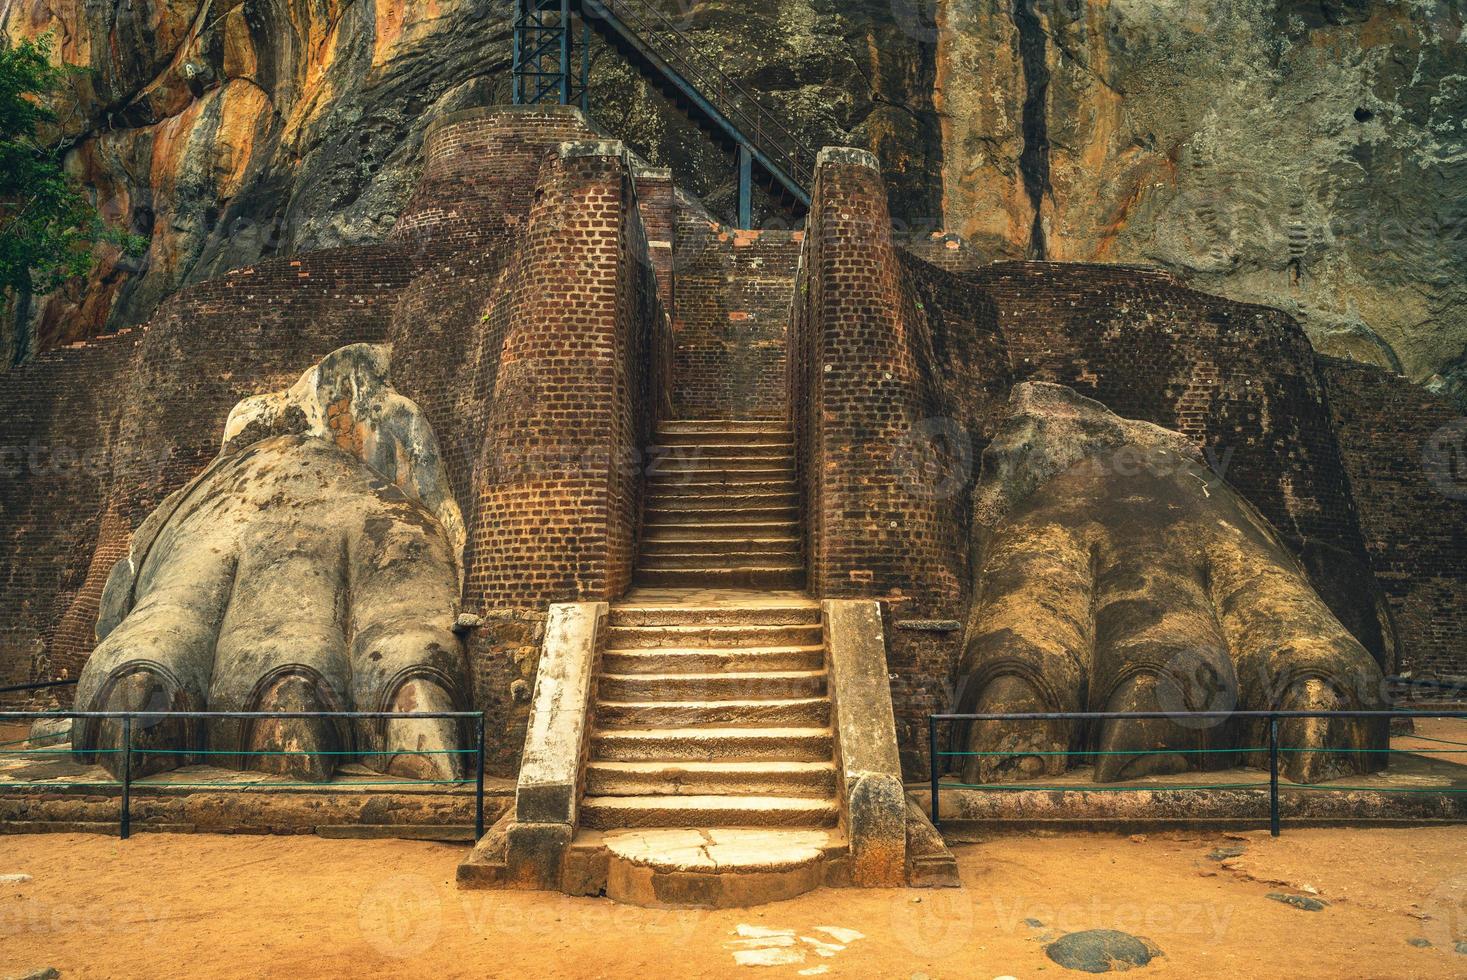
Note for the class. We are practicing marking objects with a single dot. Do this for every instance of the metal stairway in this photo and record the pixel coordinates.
(552, 63)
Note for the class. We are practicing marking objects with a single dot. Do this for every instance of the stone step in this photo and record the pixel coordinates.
(711, 687)
(806, 779)
(786, 557)
(688, 488)
(713, 635)
(711, 745)
(707, 661)
(764, 614)
(659, 512)
(660, 466)
(780, 577)
(709, 868)
(672, 484)
(610, 812)
(721, 500)
(788, 546)
(787, 712)
(718, 470)
(682, 445)
(717, 426)
(683, 530)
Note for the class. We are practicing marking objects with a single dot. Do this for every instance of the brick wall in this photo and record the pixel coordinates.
(899, 369)
(732, 296)
(152, 403)
(1406, 453)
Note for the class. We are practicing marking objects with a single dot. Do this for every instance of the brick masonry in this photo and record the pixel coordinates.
(1405, 450)
(732, 297)
(899, 368)
(548, 299)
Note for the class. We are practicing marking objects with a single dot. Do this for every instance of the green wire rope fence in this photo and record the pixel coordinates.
(128, 752)
(1273, 749)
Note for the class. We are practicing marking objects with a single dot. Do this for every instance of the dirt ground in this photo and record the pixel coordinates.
(302, 906)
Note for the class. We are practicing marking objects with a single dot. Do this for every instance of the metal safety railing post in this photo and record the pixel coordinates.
(125, 821)
(479, 778)
(1273, 775)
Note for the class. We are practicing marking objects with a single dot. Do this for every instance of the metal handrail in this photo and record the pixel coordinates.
(153, 717)
(1273, 748)
(38, 686)
(767, 129)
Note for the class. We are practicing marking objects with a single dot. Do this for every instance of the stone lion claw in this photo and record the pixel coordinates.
(311, 568)
(1118, 573)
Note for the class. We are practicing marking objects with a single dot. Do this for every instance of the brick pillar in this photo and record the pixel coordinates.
(875, 529)
(876, 525)
(545, 528)
(656, 199)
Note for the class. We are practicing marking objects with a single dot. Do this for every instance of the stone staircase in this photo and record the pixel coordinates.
(717, 738)
(712, 716)
(711, 775)
(722, 507)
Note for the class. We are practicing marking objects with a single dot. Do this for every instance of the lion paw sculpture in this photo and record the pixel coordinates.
(312, 567)
(1116, 572)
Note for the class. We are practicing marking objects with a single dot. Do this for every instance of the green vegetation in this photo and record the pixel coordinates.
(48, 224)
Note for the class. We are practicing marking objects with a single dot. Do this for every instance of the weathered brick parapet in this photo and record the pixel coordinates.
(733, 295)
(480, 168)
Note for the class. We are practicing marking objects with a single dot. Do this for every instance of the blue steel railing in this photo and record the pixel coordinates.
(935, 768)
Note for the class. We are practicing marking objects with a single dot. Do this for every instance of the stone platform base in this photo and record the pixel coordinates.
(1417, 791)
(717, 868)
(56, 795)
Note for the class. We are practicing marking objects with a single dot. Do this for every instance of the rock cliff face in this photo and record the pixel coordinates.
(1305, 155)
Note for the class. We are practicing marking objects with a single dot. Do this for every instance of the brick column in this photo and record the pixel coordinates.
(543, 523)
(874, 528)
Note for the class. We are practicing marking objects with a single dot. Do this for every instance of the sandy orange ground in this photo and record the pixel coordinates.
(166, 905)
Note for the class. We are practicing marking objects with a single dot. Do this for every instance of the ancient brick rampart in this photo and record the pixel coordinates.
(1406, 452)
(1240, 380)
(493, 353)
(152, 403)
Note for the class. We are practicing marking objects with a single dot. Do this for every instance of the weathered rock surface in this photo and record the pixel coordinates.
(1101, 951)
(1116, 572)
(229, 131)
(1308, 156)
(293, 576)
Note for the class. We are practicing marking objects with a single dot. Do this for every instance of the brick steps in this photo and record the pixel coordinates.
(711, 687)
(657, 713)
(683, 530)
(684, 634)
(711, 660)
(712, 744)
(714, 717)
(765, 614)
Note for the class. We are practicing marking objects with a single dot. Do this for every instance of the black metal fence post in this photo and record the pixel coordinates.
(125, 824)
(1273, 775)
(932, 767)
(479, 779)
